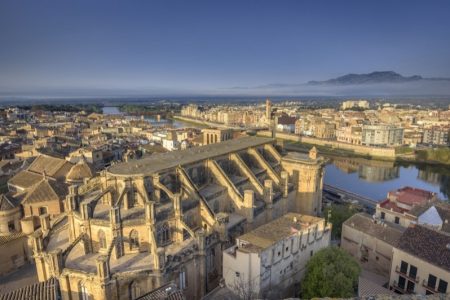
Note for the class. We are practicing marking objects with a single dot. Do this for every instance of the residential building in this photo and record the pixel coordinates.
(381, 135)
(437, 136)
(370, 242)
(270, 261)
(400, 202)
(421, 262)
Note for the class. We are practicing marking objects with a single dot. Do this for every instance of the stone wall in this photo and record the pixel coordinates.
(358, 149)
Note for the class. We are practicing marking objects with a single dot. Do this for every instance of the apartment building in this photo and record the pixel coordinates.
(382, 135)
(421, 262)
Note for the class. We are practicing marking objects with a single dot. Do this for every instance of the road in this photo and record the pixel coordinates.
(344, 195)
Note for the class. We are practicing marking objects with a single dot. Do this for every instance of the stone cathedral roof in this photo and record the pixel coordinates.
(164, 161)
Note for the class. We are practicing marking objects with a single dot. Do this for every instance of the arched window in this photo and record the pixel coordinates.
(135, 291)
(134, 240)
(163, 234)
(102, 239)
(84, 293)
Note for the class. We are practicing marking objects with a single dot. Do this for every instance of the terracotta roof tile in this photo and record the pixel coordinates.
(427, 244)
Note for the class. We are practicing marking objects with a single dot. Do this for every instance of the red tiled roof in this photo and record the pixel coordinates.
(388, 204)
(411, 196)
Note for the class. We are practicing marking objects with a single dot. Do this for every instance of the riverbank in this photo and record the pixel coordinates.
(335, 146)
(439, 156)
(199, 122)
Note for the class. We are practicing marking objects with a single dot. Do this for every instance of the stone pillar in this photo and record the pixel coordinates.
(141, 190)
(56, 262)
(223, 220)
(37, 242)
(149, 213)
(201, 239)
(102, 263)
(249, 203)
(156, 191)
(285, 183)
(114, 217)
(64, 286)
(159, 258)
(178, 217)
(268, 192)
(45, 223)
(85, 211)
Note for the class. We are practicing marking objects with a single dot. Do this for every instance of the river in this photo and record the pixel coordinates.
(114, 110)
(374, 178)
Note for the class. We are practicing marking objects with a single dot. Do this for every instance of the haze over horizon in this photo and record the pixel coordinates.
(104, 48)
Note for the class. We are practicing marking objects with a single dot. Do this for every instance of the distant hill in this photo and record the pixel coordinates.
(371, 78)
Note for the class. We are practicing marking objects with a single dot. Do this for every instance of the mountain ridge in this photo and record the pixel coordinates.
(371, 78)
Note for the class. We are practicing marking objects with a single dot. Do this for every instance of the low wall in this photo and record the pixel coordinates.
(358, 149)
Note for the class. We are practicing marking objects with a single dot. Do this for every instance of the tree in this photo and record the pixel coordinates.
(339, 214)
(331, 272)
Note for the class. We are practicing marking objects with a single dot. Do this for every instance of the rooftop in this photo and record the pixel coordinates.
(427, 244)
(266, 235)
(163, 161)
(385, 231)
(411, 196)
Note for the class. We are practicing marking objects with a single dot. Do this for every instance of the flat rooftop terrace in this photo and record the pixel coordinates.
(268, 234)
(164, 161)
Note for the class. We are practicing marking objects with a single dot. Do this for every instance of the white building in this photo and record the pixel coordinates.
(270, 260)
(382, 135)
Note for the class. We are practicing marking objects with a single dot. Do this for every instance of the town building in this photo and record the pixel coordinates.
(361, 104)
(421, 262)
(216, 135)
(270, 261)
(437, 136)
(370, 242)
(381, 135)
(396, 208)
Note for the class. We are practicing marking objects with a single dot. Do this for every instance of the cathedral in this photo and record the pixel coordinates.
(146, 223)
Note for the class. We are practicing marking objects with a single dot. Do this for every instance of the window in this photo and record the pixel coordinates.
(442, 288)
(42, 210)
(410, 287)
(403, 267)
(383, 215)
(397, 220)
(401, 282)
(101, 239)
(183, 281)
(431, 281)
(210, 258)
(311, 253)
(412, 271)
(11, 226)
(134, 240)
(163, 234)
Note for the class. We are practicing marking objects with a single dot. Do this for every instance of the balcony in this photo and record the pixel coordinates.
(429, 288)
(401, 290)
(414, 279)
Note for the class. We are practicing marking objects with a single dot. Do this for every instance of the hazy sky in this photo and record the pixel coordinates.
(210, 46)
